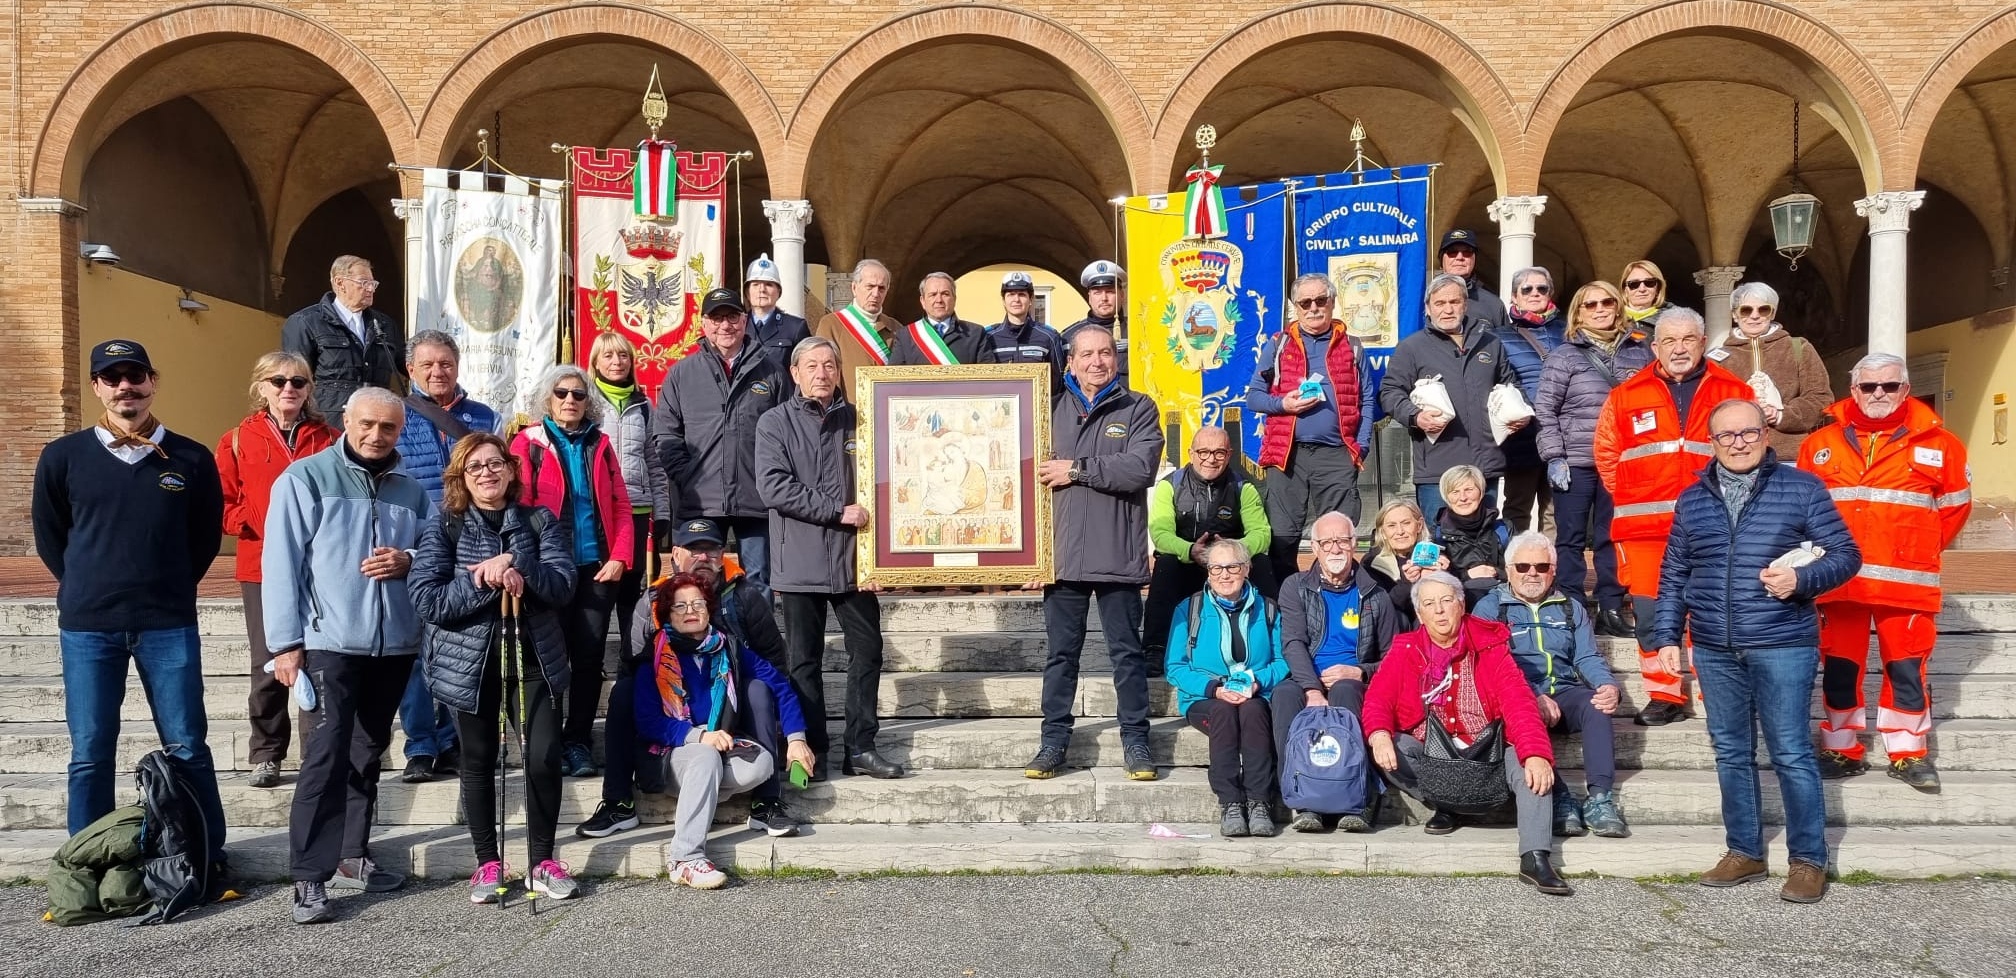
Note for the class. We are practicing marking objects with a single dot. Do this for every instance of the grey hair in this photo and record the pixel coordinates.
(375, 395)
(1443, 578)
(1444, 280)
(1350, 525)
(1520, 276)
(1529, 540)
(810, 343)
(1238, 549)
(1084, 331)
(346, 265)
(541, 406)
(864, 265)
(1684, 317)
(1456, 475)
(1878, 361)
(432, 337)
(1753, 292)
(1329, 287)
(949, 280)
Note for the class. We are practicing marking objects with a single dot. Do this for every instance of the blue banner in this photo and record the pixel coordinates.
(1374, 241)
(1258, 225)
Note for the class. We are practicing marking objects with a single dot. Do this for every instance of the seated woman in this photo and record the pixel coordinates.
(1398, 526)
(484, 545)
(1224, 656)
(1471, 534)
(712, 712)
(1461, 668)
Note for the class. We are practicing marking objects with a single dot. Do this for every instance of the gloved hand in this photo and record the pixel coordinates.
(1557, 474)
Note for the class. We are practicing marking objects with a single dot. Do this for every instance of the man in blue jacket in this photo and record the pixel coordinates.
(1732, 578)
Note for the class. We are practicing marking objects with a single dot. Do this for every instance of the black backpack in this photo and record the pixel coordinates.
(176, 858)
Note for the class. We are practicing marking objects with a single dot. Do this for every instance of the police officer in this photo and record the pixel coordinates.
(771, 328)
(1019, 337)
(1102, 281)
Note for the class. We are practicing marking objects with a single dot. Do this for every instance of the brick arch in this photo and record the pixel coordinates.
(1100, 78)
(436, 138)
(1945, 75)
(58, 168)
(1870, 113)
(1492, 119)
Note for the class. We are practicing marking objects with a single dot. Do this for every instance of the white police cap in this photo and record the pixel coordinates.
(1101, 273)
(762, 270)
(1017, 282)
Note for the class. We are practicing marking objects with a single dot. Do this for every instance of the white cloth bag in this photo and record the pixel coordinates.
(1430, 395)
(1507, 404)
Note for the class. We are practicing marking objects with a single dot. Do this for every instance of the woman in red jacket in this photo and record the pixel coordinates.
(1462, 668)
(283, 426)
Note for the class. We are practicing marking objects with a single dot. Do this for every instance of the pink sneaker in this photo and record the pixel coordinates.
(698, 874)
(486, 882)
(550, 879)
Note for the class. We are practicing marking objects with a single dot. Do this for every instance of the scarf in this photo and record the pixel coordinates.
(1232, 636)
(711, 652)
(1441, 670)
(1541, 318)
(142, 437)
(1472, 524)
(618, 394)
(1605, 339)
(1737, 488)
(1640, 315)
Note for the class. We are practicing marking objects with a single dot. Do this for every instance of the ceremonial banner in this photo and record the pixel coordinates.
(1373, 240)
(1201, 308)
(637, 271)
(489, 275)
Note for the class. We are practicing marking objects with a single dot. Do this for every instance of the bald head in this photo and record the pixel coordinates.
(1210, 451)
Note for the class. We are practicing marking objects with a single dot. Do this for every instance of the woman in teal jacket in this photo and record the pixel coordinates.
(1224, 654)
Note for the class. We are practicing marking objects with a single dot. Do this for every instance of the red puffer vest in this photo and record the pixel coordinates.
(1291, 364)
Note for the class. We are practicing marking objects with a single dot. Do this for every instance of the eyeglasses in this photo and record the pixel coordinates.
(1641, 283)
(1211, 453)
(1886, 386)
(1746, 436)
(295, 382)
(1334, 543)
(1604, 303)
(570, 393)
(485, 468)
(1745, 312)
(124, 375)
(366, 283)
(1317, 302)
(1535, 289)
(689, 606)
(1217, 569)
(1540, 568)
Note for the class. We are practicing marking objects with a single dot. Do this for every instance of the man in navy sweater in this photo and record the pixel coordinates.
(126, 516)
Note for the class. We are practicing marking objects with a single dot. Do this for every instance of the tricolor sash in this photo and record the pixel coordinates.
(861, 326)
(655, 182)
(934, 346)
(1204, 207)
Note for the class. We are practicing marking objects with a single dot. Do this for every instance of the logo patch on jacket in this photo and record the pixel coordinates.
(1929, 456)
(849, 447)
(173, 482)
(1644, 421)
(1718, 354)
(1484, 357)
(1224, 512)
(759, 387)
(1116, 430)
(1820, 457)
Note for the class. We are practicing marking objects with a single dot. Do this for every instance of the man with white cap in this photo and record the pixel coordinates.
(771, 328)
(1019, 337)
(1102, 281)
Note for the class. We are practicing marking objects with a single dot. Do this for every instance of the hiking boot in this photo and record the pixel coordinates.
(1734, 870)
(311, 904)
(419, 770)
(1355, 822)
(1048, 759)
(1567, 813)
(1304, 820)
(362, 875)
(1260, 820)
(1537, 868)
(486, 885)
(448, 761)
(577, 762)
(698, 874)
(266, 774)
(1603, 815)
(1659, 713)
(1140, 766)
(1804, 883)
(1440, 823)
(1835, 765)
(768, 817)
(551, 880)
(610, 818)
(1232, 824)
(1917, 772)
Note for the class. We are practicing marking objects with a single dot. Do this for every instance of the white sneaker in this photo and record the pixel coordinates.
(699, 874)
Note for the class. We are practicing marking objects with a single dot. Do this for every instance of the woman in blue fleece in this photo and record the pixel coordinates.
(1222, 676)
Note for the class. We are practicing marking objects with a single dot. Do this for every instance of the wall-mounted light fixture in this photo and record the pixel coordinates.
(190, 304)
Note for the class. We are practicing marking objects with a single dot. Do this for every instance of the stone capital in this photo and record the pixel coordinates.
(51, 205)
(788, 218)
(1516, 215)
(1718, 279)
(1890, 211)
(405, 208)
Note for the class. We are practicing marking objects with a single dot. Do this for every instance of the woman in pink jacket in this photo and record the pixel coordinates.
(570, 467)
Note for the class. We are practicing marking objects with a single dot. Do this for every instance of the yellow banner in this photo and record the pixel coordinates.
(1152, 226)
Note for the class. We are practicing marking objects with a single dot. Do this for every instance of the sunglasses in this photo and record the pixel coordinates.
(1539, 568)
(1745, 312)
(124, 375)
(570, 393)
(1641, 283)
(1321, 300)
(1747, 436)
(1535, 289)
(1886, 386)
(1604, 303)
(297, 383)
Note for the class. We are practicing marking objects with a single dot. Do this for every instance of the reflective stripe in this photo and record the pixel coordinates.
(1642, 509)
(1652, 448)
(1870, 494)
(1898, 722)
(1837, 740)
(1954, 498)
(1898, 575)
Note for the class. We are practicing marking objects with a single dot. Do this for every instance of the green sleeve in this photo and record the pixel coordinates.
(1162, 522)
(1253, 516)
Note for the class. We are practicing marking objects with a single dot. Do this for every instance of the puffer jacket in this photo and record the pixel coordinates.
(424, 448)
(1796, 369)
(249, 458)
(1554, 641)
(1708, 584)
(328, 513)
(636, 444)
(1576, 380)
(340, 363)
(1528, 360)
(805, 475)
(101, 873)
(461, 621)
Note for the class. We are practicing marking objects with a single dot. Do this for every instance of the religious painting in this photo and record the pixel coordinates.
(489, 280)
(948, 472)
(1366, 286)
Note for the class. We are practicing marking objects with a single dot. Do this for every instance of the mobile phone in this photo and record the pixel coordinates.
(1426, 553)
(799, 777)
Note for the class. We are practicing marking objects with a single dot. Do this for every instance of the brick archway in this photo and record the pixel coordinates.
(1853, 84)
(1945, 75)
(58, 168)
(1099, 77)
(436, 137)
(1489, 112)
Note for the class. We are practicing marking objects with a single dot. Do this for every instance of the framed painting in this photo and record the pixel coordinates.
(949, 474)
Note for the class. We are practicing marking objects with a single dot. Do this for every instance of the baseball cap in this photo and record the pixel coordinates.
(702, 530)
(1459, 236)
(718, 299)
(112, 353)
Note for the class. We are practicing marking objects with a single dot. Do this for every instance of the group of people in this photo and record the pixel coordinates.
(405, 558)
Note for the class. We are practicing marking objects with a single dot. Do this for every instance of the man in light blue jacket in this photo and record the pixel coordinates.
(340, 534)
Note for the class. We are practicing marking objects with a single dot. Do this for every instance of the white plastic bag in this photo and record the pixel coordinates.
(1767, 392)
(1507, 404)
(1430, 395)
(1806, 553)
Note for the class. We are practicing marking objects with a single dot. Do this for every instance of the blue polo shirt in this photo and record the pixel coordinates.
(1340, 629)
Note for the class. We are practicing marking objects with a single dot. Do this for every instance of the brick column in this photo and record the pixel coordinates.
(1889, 217)
(39, 397)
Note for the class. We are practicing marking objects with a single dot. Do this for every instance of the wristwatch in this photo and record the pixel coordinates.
(1075, 473)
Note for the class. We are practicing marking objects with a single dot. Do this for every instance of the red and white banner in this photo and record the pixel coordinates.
(643, 277)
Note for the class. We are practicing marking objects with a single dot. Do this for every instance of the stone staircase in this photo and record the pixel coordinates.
(960, 697)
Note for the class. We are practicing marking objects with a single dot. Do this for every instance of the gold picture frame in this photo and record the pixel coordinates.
(947, 470)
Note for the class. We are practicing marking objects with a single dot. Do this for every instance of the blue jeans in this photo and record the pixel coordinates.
(430, 732)
(1771, 688)
(1428, 495)
(752, 548)
(1582, 515)
(170, 662)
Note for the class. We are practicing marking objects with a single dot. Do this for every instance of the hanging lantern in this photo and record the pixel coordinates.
(1792, 219)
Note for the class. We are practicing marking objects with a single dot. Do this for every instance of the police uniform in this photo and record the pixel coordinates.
(1031, 342)
(1101, 274)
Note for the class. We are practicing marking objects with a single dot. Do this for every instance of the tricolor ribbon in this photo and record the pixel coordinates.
(862, 327)
(654, 184)
(933, 345)
(1204, 211)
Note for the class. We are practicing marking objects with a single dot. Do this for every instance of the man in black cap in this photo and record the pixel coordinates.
(1459, 258)
(941, 338)
(1019, 338)
(127, 517)
(706, 427)
(1102, 281)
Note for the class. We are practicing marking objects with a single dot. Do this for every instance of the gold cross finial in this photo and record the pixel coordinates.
(655, 105)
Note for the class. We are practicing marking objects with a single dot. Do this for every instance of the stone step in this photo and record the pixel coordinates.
(1089, 795)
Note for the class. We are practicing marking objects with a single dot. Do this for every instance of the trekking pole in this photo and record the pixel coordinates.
(513, 710)
(507, 643)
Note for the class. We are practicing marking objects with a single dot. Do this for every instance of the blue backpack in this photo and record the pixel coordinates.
(1323, 769)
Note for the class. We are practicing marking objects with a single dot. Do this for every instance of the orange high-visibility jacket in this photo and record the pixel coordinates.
(1905, 495)
(1646, 453)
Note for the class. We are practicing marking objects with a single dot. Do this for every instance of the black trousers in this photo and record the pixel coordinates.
(1173, 580)
(270, 702)
(336, 792)
(630, 589)
(1065, 605)
(1317, 480)
(860, 615)
(584, 624)
(1242, 748)
(536, 711)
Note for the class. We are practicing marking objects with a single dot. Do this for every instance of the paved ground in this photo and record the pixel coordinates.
(972, 927)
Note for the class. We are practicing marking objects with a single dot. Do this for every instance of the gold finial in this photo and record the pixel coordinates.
(1207, 137)
(655, 105)
(1357, 131)
(482, 143)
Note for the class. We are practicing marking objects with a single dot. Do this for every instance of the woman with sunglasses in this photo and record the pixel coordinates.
(629, 427)
(1772, 359)
(1644, 295)
(1598, 353)
(1532, 331)
(284, 426)
(571, 468)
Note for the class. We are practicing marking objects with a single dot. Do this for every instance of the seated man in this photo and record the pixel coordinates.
(1554, 641)
(1336, 622)
(1194, 506)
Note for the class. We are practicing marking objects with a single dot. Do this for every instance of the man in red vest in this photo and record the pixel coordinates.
(1314, 388)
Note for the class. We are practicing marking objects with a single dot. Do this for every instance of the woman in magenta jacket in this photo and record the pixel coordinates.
(570, 467)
